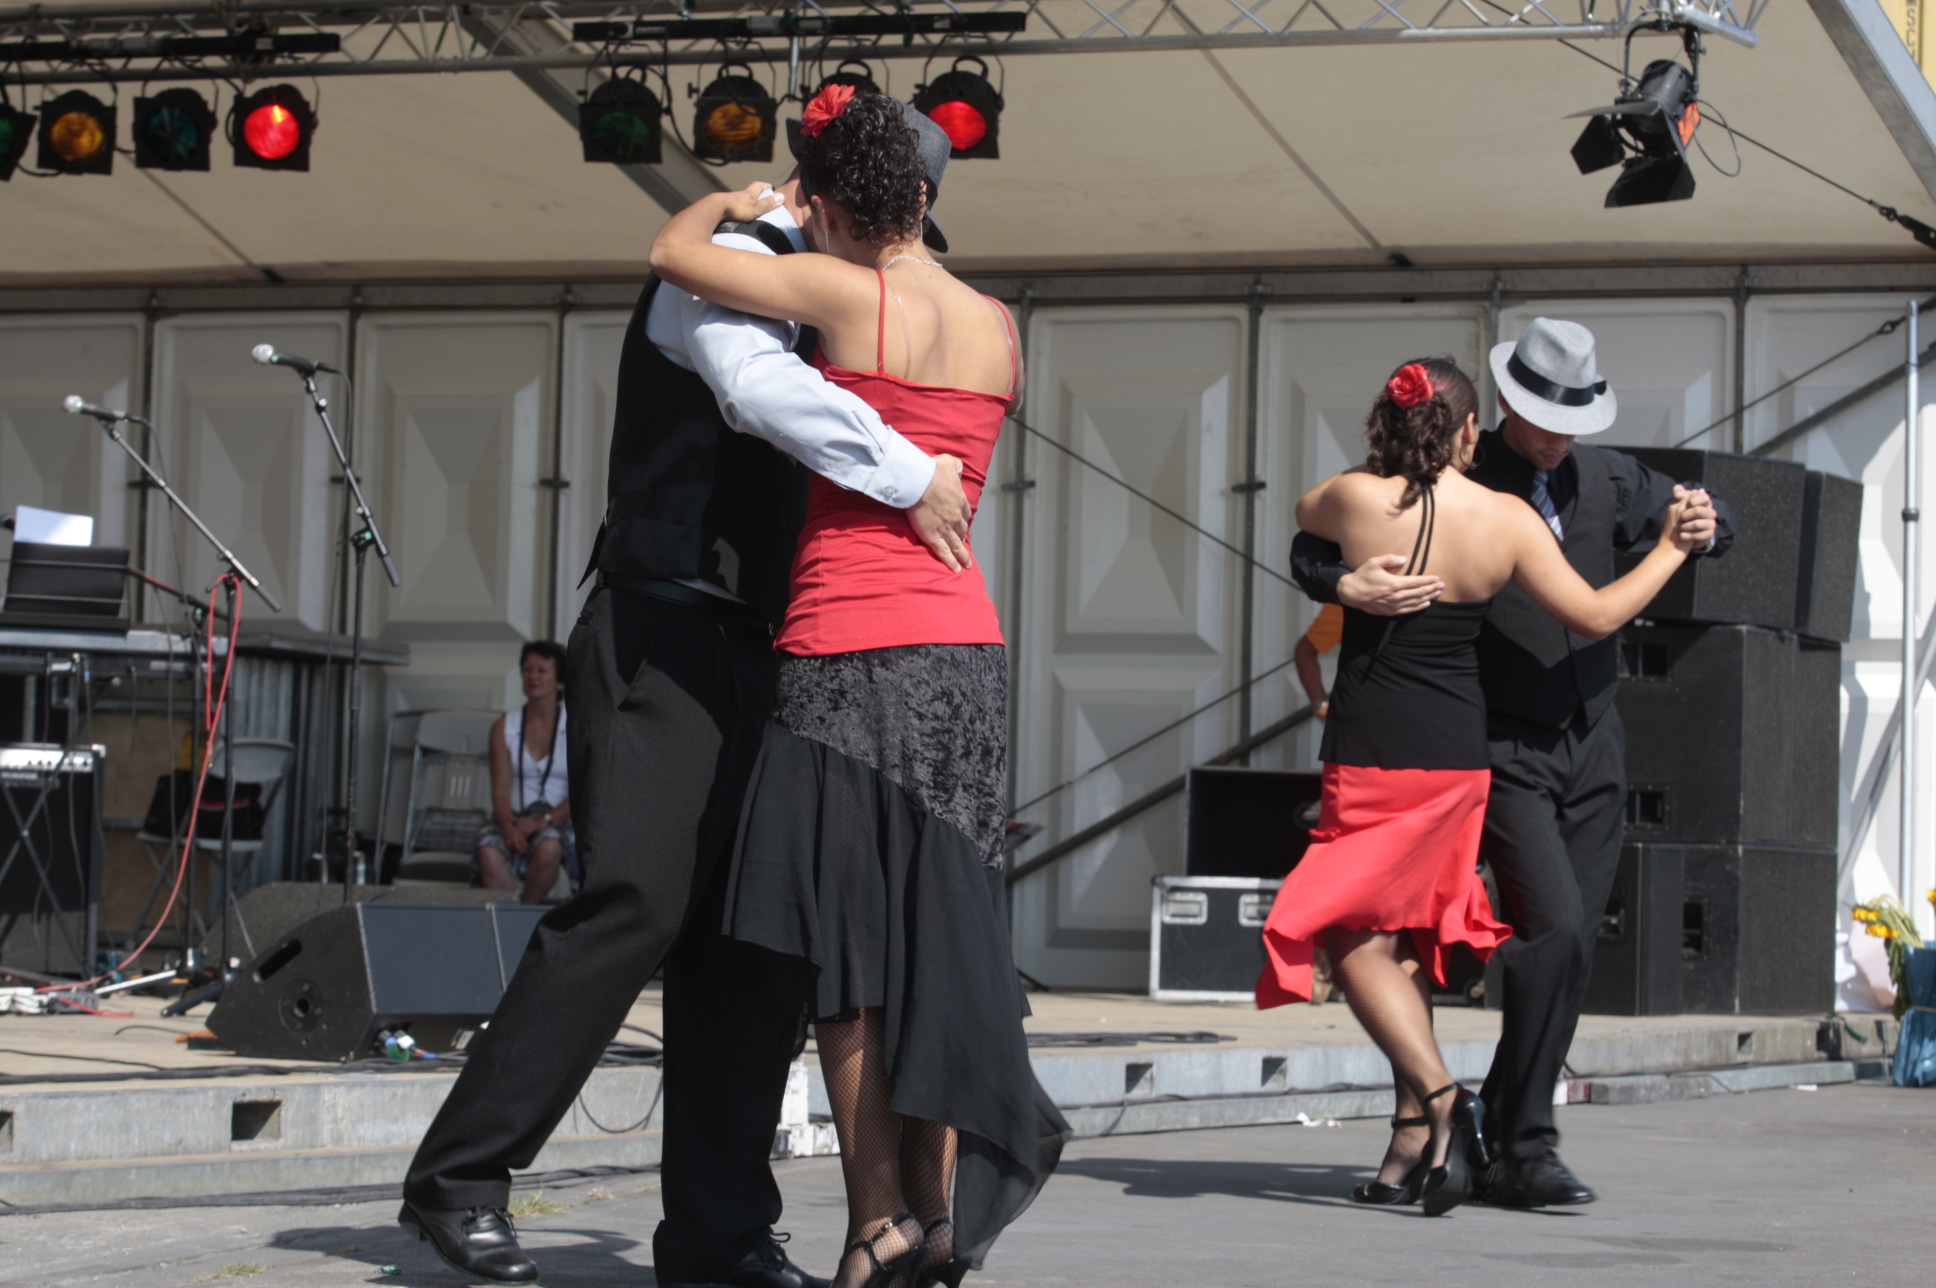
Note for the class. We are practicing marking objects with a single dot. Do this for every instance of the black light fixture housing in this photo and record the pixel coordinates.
(967, 107)
(1647, 130)
(76, 134)
(173, 131)
(622, 123)
(272, 129)
(735, 118)
(16, 132)
(852, 71)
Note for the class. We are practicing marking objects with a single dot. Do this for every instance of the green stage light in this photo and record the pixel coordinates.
(172, 131)
(16, 131)
(852, 71)
(77, 135)
(621, 123)
(735, 118)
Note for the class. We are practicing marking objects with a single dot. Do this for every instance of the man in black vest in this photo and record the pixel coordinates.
(1557, 807)
(670, 682)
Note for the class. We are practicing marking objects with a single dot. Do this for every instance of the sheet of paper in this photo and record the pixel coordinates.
(31, 523)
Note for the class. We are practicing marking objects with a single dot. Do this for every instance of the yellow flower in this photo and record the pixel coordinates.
(1881, 931)
(1864, 914)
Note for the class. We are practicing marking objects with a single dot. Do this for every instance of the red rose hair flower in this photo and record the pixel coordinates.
(823, 107)
(1409, 386)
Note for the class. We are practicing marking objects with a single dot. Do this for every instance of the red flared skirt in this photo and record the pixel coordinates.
(1394, 849)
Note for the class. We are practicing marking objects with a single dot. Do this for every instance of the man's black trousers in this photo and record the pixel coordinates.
(1552, 836)
(668, 705)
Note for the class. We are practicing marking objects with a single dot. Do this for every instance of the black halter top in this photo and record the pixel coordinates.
(1407, 694)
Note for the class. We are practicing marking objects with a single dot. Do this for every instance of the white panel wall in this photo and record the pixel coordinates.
(1128, 616)
(1670, 362)
(49, 458)
(1786, 338)
(241, 443)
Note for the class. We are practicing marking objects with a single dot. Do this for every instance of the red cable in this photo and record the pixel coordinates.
(212, 704)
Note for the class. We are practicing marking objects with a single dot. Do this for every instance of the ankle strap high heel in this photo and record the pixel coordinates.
(1450, 1184)
(901, 1271)
(948, 1272)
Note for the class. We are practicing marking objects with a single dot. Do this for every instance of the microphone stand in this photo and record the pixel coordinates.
(360, 541)
(190, 1000)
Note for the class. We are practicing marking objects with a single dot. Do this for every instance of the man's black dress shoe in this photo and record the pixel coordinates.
(472, 1241)
(1531, 1183)
(765, 1265)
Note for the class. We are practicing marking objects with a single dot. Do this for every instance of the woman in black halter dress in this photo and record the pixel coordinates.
(1389, 881)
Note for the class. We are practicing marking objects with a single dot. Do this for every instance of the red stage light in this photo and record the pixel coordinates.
(272, 131)
(964, 126)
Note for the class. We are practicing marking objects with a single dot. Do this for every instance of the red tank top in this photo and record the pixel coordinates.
(861, 578)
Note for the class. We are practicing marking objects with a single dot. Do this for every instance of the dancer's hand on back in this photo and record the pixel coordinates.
(1379, 586)
(940, 518)
(752, 201)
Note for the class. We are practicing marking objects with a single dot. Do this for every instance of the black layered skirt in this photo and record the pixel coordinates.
(871, 844)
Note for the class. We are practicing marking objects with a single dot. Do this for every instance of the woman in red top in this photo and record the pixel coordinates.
(871, 839)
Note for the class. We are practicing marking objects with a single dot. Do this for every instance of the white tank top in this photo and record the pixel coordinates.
(535, 780)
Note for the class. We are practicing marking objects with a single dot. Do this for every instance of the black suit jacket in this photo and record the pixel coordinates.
(1533, 668)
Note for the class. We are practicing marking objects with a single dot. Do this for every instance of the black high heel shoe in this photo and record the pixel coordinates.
(1450, 1184)
(948, 1272)
(902, 1271)
(1379, 1194)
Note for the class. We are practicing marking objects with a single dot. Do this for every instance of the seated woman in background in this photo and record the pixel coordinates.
(528, 841)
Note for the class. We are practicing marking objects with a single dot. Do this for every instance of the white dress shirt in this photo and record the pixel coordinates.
(765, 390)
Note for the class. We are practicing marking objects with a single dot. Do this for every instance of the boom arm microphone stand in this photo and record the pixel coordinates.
(361, 541)
(111, 422)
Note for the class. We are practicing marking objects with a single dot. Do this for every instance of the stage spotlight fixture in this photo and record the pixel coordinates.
(1646, 133)
(966, 107)
(172, 131)
(852, 71)
(16, 131)
(77, 135)
(272, 129)
(734, 118)
(620, 123)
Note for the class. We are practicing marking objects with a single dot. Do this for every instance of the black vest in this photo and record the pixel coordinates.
(1530, 666)
(687, 497)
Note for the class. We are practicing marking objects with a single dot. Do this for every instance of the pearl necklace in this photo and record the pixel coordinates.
(916, 258)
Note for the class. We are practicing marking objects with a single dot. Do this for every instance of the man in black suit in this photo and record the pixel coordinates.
(1557, 807)
(670, 683)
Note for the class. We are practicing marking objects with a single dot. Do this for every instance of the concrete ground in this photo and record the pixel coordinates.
(1778, 1187)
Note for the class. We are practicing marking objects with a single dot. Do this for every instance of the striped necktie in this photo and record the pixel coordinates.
(1543, 502)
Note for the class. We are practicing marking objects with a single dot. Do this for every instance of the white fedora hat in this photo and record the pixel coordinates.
(1550, 379)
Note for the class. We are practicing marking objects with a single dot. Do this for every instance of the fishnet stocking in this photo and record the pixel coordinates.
(1391, 998)
(927, 1175)
(870, 1145)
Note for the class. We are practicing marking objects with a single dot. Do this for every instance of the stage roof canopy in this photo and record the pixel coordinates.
(1444, 152)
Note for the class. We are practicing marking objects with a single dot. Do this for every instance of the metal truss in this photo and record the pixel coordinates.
(150, 41)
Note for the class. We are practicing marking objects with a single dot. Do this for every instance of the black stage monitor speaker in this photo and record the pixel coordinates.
(50, 857)
(1249, 822)
(78, 587)
(1732, 735)
(1207, 937)
(327, 990)
(265, 916)
(1717, 930)
(1831, 530)
(1754, 583)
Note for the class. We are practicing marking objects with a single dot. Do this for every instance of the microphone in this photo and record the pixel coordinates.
(266, 355)
(76, 407)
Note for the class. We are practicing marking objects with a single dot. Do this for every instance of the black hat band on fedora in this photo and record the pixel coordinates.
(1551, 390)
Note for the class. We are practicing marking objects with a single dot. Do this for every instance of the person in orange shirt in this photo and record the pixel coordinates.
(1323, 636)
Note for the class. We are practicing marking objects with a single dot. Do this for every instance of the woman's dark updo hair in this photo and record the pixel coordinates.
(1417, 443)
(867, 161)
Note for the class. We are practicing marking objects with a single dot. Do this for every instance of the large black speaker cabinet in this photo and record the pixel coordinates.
(1732, 735)
(1248, 822)
(265, 916)
(50, 858)
(1831, 532)
(328, 989)
(1754, 582)
(1717, 930)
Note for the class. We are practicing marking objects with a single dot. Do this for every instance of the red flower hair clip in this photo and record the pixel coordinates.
(823, 107)
(1409, 386)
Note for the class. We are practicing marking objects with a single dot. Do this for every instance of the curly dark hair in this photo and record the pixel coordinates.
(1417, 443)
(867, 161)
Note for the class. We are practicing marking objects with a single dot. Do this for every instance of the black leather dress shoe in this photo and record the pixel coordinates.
(1531, 1183)
(472, 1241)
(765, 1265)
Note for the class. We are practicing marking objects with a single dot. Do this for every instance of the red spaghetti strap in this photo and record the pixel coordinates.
(1014, 351)
(880, 329)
